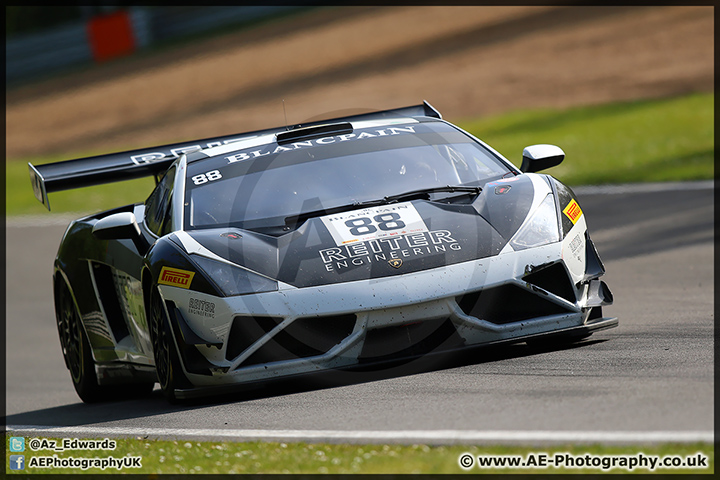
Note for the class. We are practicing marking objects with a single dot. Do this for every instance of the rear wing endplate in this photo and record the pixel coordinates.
(145, 162)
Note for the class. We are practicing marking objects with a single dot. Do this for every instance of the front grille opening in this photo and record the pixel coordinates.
(507, 304)
(304, 337)
(410, 340)
(247, 330)
(554, 279)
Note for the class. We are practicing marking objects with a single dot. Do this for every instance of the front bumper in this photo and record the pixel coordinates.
(251, 338)
(579, 331)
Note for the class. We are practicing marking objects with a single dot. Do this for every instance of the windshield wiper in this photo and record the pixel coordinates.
(425, 192)
(420, 193)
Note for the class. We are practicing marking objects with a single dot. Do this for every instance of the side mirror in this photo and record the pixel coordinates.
(540, 157)
(119, 226)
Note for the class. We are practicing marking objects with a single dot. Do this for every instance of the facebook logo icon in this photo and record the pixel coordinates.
(17, 462)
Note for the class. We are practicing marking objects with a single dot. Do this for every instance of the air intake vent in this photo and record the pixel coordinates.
(107, 286)
(410, 340)
(316, 131)
(247, 330)
(554, 279)
(507, 304)
(304, 337)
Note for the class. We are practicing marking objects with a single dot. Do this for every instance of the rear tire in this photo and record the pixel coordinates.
(167, 363)
(78, 357)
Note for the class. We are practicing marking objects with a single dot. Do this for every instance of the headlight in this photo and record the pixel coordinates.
(540, 229)
(234, 280)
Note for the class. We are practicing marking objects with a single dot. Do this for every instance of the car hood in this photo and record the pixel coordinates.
(449, 233)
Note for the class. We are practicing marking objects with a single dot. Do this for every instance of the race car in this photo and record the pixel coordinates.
(331, 245)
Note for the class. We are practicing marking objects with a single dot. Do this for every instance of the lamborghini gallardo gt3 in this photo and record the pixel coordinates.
(330, 245)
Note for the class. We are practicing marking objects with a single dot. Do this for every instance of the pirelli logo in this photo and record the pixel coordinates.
(573, 211)
(175, 277)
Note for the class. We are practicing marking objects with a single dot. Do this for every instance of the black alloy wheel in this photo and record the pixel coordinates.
(167, 363)
(78, 357)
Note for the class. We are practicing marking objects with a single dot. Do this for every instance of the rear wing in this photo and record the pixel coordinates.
(145, 162)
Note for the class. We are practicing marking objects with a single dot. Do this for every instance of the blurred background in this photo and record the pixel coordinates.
(627, 92)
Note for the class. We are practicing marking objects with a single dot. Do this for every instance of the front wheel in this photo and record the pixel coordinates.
(167, 363)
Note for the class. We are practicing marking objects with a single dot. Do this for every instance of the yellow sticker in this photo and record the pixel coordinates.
(175, 277)
(573, 211)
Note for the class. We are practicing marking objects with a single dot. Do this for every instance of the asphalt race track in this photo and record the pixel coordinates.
(652, 376)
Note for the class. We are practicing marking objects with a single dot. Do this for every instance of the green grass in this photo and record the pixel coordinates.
(642, 141)
(184, 456)
(20, 199)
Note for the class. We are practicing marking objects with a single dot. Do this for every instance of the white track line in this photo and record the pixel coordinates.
(437, 437)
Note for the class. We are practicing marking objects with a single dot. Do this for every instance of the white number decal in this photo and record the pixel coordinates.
(383, 222)
(206, 177)
(374, 223)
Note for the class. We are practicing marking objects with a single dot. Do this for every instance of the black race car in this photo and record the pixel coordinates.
(292, 250)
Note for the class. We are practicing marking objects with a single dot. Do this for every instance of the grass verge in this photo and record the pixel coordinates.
(177, 457)
(642, 141)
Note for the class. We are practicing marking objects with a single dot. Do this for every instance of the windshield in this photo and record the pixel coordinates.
(260, 186)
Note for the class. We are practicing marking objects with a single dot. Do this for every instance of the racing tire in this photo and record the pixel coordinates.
(78, 357)
(167, 362)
